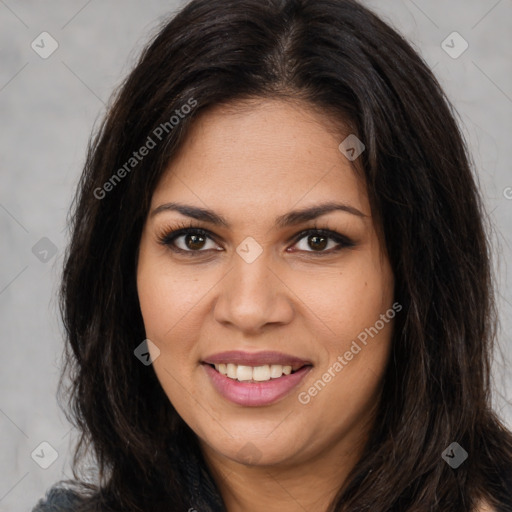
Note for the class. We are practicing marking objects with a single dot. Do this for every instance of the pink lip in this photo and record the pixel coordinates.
(256, 359)
(254, 394)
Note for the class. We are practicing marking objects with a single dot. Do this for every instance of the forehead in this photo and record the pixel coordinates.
(262, 156)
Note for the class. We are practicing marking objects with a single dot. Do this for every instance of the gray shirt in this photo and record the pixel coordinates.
(58, 499)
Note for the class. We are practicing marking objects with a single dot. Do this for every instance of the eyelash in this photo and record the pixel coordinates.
(167, 237)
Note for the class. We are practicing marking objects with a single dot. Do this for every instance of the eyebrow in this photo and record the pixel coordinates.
(289, 219)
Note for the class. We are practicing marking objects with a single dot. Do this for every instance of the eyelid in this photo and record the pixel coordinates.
(167, 236)
(342, 240)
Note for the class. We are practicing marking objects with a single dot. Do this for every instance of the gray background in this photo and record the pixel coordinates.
(47, 110)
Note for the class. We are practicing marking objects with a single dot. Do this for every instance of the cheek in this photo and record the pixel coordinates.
(167, 305)
(174, 305)
(346, 301)
(168, 298)
(357, 347)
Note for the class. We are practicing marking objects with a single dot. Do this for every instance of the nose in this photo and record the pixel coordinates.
(253, 296)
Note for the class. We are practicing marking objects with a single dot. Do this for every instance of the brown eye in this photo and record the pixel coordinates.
(189, 240)
(318, 242)
(194, 242)
(322, 241)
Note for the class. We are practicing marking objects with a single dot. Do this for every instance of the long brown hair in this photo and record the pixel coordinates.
(340, 58)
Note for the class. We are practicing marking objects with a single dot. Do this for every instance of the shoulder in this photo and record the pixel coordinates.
(58, 499)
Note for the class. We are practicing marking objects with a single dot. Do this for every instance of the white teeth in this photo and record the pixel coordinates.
(256, 373)
(231, 370)
(276, 370)
(244, 372)
(261, 373)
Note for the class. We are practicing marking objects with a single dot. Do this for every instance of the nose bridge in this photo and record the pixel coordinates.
(251, 295)
(252, 283)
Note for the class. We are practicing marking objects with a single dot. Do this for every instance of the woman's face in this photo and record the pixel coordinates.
(258, 294)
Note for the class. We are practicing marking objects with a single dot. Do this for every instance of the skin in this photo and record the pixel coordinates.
(251, 163)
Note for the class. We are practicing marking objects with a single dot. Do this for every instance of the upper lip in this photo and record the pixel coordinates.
(256, 358)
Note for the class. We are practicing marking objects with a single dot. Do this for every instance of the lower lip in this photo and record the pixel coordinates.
(254, 394)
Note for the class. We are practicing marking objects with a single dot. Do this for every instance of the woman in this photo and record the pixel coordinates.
(277, 294)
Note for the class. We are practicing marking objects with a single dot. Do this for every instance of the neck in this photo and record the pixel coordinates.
(304, 483)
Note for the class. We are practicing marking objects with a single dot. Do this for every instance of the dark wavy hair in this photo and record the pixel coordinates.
(341, 59)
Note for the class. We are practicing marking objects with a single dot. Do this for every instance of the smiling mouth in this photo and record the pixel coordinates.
(263, 373)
